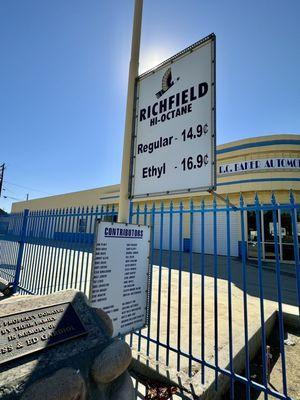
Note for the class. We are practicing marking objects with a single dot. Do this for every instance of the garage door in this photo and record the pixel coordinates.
(162, 232)
(221, 233)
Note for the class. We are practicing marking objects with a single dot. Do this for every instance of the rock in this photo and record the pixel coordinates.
(65, 384)
(122, 388)
(50, 339)
(107, 321)
(112, 362)
(61, 332)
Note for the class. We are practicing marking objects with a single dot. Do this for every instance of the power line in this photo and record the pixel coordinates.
(12, 198)
(8, 190)
(26, 187)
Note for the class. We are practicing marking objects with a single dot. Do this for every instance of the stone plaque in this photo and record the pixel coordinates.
(35, 330)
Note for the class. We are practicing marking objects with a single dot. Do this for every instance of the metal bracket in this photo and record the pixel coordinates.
(234, 207)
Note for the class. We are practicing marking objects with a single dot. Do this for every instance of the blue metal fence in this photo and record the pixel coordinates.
(191, 291)
(46, 251)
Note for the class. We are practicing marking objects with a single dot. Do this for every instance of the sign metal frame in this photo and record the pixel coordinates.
(210, 38)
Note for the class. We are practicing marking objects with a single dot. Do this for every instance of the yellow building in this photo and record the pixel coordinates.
(263, 164)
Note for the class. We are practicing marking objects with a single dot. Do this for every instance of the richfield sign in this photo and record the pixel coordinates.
(174, 137)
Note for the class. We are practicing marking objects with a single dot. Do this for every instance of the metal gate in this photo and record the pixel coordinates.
(212, 310)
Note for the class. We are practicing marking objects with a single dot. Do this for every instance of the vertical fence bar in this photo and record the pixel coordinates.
(191, 287)
(41, 278)
(41, 249)
(81, 213)
(88, 268)
(24, 275)
(71, 251)
(65, 253)
(47, 269)
(216, 330)
(229, 279)
(35, 271)
(57, 227)
(245, 304)
(296, 245)
(21, 249)
(138, 211)
(159, 278)
(202, 295)
(72, 239)
(131, 211)
(279, 295)
(76, 239)
(31, 263)
(179, 286)
(169, 282)
(261, 294)
(151, 278)
(145, 223)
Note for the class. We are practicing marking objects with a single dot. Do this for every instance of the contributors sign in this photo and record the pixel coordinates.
(173, 149)
(119, 283)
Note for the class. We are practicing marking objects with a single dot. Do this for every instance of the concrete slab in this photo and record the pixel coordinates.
(157, 358)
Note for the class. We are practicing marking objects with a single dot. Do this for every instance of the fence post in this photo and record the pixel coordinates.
(21, 249)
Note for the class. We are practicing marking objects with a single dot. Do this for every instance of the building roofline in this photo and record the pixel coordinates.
(256, 139)
(259, 141)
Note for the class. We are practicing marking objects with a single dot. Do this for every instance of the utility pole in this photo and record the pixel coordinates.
(123, 212)
(2, 168)
(27, 196)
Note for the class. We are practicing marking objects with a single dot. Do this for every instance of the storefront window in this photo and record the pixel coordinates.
(285, 243)
(287, 236)
(269, 239)
(252, 234)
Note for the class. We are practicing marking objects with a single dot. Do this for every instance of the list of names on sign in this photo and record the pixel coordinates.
(120, 274)
(35, 330)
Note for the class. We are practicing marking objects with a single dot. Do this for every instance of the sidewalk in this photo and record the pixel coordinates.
(270, 290)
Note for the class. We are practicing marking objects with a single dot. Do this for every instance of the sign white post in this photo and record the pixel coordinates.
(123, 211)
(119, 280)
(173, 149)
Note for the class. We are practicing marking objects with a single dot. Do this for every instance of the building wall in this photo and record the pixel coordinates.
(264, 182)
(90, 197)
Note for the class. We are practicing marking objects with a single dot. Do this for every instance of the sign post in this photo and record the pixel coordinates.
(174, 140)
(123, 211)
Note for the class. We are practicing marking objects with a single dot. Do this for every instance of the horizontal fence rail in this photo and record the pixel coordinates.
(203, 286)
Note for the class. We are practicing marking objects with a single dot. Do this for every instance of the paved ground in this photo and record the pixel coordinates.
(180, 320)
(288, 282)
(292, 357)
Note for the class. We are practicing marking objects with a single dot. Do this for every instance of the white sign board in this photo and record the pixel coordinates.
(173, 149)
(119, 281)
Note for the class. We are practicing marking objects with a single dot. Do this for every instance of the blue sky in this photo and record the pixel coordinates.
(63, 80)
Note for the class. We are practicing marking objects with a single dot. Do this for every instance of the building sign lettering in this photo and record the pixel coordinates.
(261, 164)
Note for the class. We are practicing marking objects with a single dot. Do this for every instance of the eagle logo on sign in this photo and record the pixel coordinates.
(166, 83)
